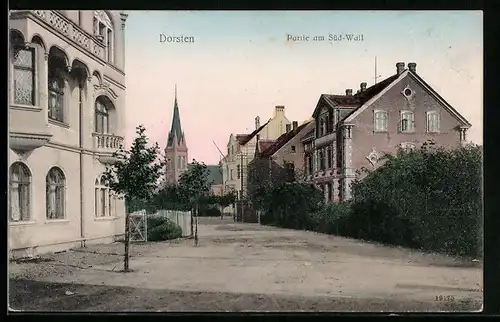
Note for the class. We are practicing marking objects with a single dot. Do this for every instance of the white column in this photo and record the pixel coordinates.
(335, 189)
(43, 85)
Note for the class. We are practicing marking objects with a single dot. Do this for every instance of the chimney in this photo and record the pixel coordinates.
(412, 67)
(257, 122)
(362, 86)
(400, 67)
(288, 128)
(348, 92)
(279, 109)
(295, 125)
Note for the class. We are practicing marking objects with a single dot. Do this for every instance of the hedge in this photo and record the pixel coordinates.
(160, 228)
(430, 199)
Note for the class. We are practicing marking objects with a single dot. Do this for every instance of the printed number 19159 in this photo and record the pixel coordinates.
(448, 298)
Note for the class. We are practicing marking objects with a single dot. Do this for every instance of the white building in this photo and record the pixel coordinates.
(66, 118)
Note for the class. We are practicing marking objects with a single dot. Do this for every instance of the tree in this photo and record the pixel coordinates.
(170, 197)
(134, 175)
(194, 186)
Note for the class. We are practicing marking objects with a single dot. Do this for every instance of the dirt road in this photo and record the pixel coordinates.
(247, 267)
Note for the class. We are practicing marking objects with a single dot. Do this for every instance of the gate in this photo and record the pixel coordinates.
(138, 226)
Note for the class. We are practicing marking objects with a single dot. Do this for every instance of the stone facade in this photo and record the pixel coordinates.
(241, 149)
(66, 118)
(354, 131)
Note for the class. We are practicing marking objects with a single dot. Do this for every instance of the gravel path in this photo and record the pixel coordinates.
(248, 267)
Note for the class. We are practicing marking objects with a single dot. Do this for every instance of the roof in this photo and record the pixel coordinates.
(389, 83)
(355, 100)
(265, 144)
(282, 140)
(214, 174)
(176, 129)
(245, 138)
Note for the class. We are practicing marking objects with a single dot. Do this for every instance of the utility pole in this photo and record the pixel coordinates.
(376, 75)
(241, 190)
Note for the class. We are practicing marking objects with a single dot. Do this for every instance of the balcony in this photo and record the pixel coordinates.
(27, 128)
(105, 145)
(325, 140)
(70, 31)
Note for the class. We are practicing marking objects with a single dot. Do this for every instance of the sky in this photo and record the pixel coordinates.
(241, 65)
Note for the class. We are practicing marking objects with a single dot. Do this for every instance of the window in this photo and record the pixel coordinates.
(321, 161)
(293, 148)
(24, 76)
(55, 183)
(231, 176)
(310, 164)
(105, 201)
(407, 121)
(56, 94)
(380, 121)
(109, 45)
(329, 158)
(101, 116)
(238, 171)
(433, 122)
(103, 30)
(330, 191)
(19, 185)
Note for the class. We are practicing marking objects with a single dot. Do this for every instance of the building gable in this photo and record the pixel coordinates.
(401, 80)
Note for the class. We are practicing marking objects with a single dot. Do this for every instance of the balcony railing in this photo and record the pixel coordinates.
(72, 32)
(106, 142)
(325, 140)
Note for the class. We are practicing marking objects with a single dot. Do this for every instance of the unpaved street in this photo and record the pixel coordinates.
(247, 267)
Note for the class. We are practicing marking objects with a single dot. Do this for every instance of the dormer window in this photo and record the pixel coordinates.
(103, 31)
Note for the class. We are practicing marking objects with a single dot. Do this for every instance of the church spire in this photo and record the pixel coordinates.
(176, 129)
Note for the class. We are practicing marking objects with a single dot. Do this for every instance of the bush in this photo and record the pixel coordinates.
(160, 228)
(330, 219)
(289, 205)
(429, 199)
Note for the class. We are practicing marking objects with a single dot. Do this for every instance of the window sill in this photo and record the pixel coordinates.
(385, 131)
(25, 107)
(57, 221)
(105, 218)
(22, 223)
(58, 123)
(406, 132)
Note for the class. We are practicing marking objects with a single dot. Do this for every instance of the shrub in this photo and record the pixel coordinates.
(289, 205)
(159, 229)
(430, 199)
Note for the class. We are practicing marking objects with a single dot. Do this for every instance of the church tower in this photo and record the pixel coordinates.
(176, 150)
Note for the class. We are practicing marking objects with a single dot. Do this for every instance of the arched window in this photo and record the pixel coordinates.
(19, 184)
(23, 61)
(105, 201)
(55, 183)
(104, 32)
(56, 95)
(101, 116)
